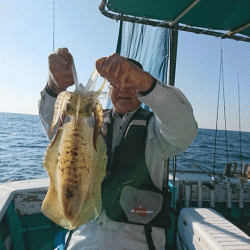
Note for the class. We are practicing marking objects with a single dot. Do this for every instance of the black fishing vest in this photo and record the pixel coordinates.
(128, 192)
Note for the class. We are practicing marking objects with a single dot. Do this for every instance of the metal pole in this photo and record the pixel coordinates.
(172, 56)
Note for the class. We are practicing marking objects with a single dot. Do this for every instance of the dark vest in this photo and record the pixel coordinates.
(127, 167)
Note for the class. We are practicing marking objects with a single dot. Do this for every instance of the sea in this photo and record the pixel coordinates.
(23, 144)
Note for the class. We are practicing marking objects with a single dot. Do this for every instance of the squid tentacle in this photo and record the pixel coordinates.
(98, 117)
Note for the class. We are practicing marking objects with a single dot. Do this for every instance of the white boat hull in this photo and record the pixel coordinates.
(205, 229)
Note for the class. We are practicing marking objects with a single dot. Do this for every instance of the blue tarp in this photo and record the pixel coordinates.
(147, 45)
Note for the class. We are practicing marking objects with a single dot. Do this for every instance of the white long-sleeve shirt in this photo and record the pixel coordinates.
(170, 132)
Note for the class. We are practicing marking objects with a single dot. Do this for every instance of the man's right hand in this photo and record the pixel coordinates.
(60, 70)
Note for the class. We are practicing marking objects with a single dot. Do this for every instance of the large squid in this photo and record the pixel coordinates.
(75, 160)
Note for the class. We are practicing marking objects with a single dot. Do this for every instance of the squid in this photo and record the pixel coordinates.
(75, 160)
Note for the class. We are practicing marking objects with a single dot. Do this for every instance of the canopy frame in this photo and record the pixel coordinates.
(184, 12)
(233, 34)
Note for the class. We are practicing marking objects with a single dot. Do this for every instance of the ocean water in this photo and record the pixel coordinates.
(23, 143)
(22, 146)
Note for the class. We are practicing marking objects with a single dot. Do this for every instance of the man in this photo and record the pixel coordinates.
(138, 141)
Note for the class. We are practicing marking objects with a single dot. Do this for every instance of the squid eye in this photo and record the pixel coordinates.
(69, 109)
(86, 110)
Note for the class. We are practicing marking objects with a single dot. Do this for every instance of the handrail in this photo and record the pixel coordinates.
(6, 196)
(8, 190)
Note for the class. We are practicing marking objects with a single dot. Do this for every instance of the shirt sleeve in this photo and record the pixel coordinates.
(170, 131)
(46, 106)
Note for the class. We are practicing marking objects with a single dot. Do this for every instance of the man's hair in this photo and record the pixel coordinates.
(134, 62)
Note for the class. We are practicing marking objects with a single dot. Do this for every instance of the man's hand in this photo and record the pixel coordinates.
(60, 70)
(123, 74)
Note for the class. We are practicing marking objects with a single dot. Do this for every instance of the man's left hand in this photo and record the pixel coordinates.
(123, 74)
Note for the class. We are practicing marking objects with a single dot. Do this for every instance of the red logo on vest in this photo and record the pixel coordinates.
(142, 211)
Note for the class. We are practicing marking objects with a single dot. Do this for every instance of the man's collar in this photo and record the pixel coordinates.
(114, 113)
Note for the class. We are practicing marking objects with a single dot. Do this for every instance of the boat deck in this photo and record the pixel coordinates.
(23, 226)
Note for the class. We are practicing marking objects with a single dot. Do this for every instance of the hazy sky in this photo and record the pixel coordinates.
(26, 40)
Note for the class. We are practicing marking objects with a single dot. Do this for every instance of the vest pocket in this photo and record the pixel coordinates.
(140, 206)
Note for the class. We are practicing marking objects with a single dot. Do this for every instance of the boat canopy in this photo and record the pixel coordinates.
(220, 18)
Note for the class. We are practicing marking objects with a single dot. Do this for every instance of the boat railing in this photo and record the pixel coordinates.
(11, 190)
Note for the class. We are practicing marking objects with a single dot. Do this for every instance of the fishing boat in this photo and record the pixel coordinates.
(210, 210)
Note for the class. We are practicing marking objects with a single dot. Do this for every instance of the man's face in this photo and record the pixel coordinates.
(124, 100)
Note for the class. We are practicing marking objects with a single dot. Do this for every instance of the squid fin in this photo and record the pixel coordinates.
(60, 105)
(61, 122)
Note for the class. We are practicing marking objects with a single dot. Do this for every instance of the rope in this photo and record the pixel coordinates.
(224, 100)
(217, 116)
(221, 78)
(239, 119)
(53, 25)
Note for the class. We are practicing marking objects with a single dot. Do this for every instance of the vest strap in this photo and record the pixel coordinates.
(148, 233)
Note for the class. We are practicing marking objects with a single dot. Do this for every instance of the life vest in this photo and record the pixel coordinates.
(128, 192)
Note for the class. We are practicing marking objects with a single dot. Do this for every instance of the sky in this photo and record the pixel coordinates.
(26, 40)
